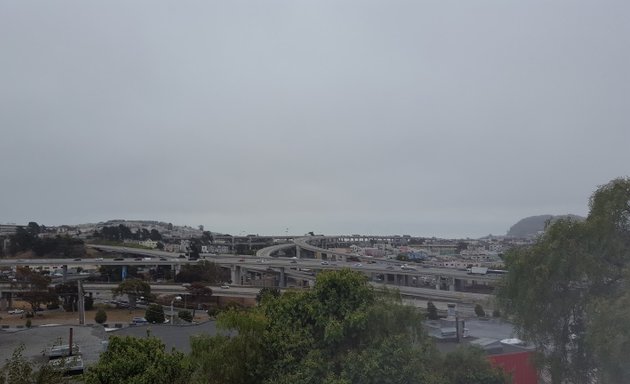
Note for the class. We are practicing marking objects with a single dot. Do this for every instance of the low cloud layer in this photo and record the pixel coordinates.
(424, 118)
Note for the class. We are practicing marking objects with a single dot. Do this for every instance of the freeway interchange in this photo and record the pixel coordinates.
(300, 269)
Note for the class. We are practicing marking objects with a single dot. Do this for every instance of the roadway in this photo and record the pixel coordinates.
(302, 269)
(151, 258)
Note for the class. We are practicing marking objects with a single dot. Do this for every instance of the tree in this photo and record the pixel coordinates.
(198, 292)
(133, 288)
(342, 331)
(468, 365)
(267, 293)
(33, 228)
(100, 316)
(19, 370)
(555, 290)
(185, 315)
(432, 313)
(139, 361)
(154, 314)
(479, 311)
(155, 235)
(203, 271)
(194, 249)
(37, 284)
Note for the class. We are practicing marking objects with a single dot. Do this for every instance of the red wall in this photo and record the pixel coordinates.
(519, 365)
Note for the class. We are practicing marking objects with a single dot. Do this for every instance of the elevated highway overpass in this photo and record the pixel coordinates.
(300, 270)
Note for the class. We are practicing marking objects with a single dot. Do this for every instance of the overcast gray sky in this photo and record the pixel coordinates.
(431, 118)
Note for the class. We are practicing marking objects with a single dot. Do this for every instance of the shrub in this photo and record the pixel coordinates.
(496, 313)
(185, 315)
(30, 315)
(213, 311)
(28, 323)
(100, 316)
(479, 310)
(154, 314)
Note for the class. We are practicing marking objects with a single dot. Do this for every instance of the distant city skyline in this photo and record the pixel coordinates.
(446, 119)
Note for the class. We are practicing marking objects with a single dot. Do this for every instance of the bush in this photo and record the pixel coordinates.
(496, 313)
(154, 314)
(185, 315)
(101, 316)
(213, 311)
(479, 311)
(28, 323)
(29, 315)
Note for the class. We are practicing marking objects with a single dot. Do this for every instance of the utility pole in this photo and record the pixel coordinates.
(81, 303)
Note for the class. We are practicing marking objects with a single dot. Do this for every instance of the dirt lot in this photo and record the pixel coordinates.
(59, 316)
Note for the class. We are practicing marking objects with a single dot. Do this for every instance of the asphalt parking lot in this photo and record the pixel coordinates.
(90, 339)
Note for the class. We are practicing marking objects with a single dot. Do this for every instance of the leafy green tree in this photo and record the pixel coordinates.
(203, 271)
(342, 331)
(133, 288)
(37, 286)
(198, 292)
(19, 370)
(155, 235)
(100, 316)
(479, 311)
(139, 361)
(432, 312)
(556, 288)
(468, 365)
(33, 228)
(154, 314)
(267, 293)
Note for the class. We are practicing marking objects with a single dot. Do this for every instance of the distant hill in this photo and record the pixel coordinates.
(533, 225)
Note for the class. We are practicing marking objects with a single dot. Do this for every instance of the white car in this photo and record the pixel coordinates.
(225, 286)
(16, 312)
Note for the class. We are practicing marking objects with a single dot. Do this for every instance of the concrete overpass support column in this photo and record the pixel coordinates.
(283, 278)
(406, 280)
(236, 274)
(5, 301)
(451, 284)
(438, 282)
(297, 251)
(64, 269)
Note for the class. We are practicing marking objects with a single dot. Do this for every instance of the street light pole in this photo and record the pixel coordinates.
(178, 298)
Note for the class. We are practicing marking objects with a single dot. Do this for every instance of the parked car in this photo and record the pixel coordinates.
(225, 286)
(16, 311)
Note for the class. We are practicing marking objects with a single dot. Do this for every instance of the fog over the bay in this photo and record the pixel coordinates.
(429, 118)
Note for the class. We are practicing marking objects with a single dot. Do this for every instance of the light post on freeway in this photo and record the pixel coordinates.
(176, 298)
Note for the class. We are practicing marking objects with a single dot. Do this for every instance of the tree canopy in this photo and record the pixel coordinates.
(133, 288)
(139, 361)
(341, 331)
(566, 292)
